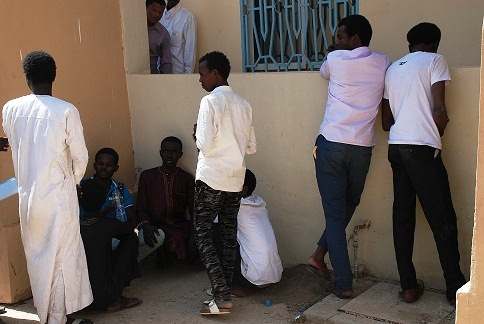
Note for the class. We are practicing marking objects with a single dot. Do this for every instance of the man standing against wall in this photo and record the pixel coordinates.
(3, 148)
(181, 25)
(158, 37)
(50, 157)
(343, 148)
(224, 135)
(414, 112)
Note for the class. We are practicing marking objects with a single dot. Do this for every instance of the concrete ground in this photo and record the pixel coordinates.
(174, 295)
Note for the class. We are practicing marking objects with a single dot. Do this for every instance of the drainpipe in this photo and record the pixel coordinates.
(354, 237)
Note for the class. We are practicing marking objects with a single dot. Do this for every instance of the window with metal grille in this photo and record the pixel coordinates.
(289, 35)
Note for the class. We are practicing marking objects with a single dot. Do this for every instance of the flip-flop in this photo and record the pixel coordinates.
(212, 309)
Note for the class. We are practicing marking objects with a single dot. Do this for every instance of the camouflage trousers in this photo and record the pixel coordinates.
(210, 203)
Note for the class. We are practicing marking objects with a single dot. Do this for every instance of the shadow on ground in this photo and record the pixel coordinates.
(174, 295)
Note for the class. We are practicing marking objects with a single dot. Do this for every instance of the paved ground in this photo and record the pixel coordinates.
(174, 296)
(379, 303)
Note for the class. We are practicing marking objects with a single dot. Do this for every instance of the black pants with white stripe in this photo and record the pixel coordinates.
(210, 203)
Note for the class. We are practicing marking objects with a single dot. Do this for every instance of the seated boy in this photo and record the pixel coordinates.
(106, 212)
(260, 261)
(165, 200)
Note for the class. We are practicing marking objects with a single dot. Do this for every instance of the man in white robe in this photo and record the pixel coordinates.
(50, 157)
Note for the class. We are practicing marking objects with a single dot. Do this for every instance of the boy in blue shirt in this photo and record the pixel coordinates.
(107, 213)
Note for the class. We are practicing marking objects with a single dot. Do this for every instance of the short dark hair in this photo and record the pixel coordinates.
(217, 61)
(160, 2)
(172, 139)
(250, 181)
(358, 25)
(424, 33)
(108, 151)
(39, 67)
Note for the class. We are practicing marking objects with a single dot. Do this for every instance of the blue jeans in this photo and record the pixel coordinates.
(341, 171)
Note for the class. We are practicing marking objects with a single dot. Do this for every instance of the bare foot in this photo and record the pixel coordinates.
(320, 266)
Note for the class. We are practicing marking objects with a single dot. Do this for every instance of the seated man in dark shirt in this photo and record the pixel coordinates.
(107, 213)
(165, 200)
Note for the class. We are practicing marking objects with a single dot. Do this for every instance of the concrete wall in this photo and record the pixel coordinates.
(471, 297)
(460, 21)
(288, 108)
(85, 39)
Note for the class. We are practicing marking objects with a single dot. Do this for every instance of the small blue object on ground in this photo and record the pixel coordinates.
(268, 302)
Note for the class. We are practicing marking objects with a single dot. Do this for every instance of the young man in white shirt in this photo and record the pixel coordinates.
(182, 26)
(343, 148)
(224, 135)
(414, 112)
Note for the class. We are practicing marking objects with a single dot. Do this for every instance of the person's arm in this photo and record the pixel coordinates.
(142, 214)
(252, 144)
(324, 70)
(387, 119)
(166, 66)
(3, 144)
(206, 127)
(439, 110)
(77, 145)
(128, 205)
(190, 34)
(190, 195)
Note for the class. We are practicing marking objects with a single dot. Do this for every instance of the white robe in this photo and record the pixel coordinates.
(261, 264)
(50, 158)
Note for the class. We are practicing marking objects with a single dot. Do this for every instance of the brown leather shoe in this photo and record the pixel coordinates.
(412, 295)
(344, 294)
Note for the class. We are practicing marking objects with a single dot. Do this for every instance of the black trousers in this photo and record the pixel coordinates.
(210, 203)
(109, 271)
(418, 171)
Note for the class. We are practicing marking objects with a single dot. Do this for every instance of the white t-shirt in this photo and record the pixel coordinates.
(224, 135)
(356, 82)
(408, 86)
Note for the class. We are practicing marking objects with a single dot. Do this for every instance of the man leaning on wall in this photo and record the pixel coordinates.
(182, 26)
(343, 149)
(414, 112)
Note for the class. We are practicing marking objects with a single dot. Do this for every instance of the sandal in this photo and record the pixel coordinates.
(212, 309)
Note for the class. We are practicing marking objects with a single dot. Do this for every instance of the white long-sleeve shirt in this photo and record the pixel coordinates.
(182, 26)
(224, 135)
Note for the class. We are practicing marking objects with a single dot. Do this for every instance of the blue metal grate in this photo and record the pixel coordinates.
(289, 35)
